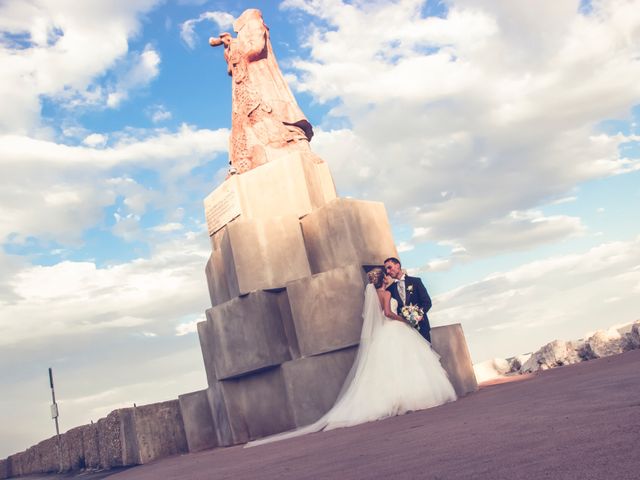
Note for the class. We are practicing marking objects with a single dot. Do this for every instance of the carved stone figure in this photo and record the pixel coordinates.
(266, 121)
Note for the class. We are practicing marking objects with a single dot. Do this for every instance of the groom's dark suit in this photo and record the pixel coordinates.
(416, 294)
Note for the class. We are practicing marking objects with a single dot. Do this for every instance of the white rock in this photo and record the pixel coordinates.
(491, 369)
(631, 340)
(603, 343)
(516, 362)
(551, 355)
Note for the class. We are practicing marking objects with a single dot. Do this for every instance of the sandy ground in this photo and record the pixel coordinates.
(575, 422)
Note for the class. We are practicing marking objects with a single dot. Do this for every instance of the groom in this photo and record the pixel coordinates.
(409, 290)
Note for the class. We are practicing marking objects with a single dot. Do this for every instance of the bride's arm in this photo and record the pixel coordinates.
(386, 307)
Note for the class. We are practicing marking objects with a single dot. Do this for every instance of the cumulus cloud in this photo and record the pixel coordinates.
(95, 140)
(55, 191)
(60, 51)
(223, 20)
(140, 69)
(190, 326)
(460, 120)
(517, 311)
(78, 299)
(158, 113)
(517, 231)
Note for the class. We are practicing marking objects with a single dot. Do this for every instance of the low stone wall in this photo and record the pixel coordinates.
(125, 437)
(159, 431)
(4, 468)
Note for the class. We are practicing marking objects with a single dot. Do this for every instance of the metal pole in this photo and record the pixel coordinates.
(54, 415)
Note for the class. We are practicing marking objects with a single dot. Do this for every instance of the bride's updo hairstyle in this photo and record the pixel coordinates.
(376, 276)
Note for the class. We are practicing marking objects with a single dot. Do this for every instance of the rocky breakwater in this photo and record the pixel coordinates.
(602, 343)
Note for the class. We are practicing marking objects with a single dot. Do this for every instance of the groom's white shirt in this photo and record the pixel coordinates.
(402, 289)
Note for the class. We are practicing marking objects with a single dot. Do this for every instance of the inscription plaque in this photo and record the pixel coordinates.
(222, 205)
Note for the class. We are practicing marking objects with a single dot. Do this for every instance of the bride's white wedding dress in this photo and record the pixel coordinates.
(395, 371)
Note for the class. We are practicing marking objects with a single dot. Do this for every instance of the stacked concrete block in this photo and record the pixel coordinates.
(246, 335)
(216, 279)
(250, 407)
(347, 231)
(199, 428)
(451, 345)
(290, 186)
(263, 254)
(206, 346)
(313, 383)
(326, 309)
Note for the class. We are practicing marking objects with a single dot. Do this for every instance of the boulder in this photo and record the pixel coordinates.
(553, 354)
(631, 340)
(602, 344)
(490, 369)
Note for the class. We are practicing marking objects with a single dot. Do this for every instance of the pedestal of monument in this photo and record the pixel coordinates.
(286, 279)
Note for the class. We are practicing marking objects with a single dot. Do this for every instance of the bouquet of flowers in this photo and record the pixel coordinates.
(413, 314)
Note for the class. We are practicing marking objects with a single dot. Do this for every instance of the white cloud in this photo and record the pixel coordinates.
(95, 140)
(191, 326)
(496, 104)
(127, 227)
(517, 231)
(405, 247)
(168, 227)
(517, 311)
(140, 70)
(54, 191)
(158, 113)
(76, 299)
(223, 20)
(65, 47)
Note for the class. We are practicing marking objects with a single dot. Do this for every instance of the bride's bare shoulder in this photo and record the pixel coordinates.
(383, 296)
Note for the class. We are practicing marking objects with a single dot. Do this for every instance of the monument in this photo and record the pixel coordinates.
(287, 269)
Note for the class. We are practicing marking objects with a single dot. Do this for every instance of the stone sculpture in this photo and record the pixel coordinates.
(267, 123)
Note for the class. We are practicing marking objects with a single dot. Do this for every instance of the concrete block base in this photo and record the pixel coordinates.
(346, 231)
(245, 335)
(263, 254)
(313, 383)
(198, 421)
(326, 309)
(451, 345)
(250, 407)
(293, 185)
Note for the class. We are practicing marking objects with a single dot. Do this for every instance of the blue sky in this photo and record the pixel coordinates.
(502, 136)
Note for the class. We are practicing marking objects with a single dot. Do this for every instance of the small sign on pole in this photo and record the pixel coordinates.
(54, 415)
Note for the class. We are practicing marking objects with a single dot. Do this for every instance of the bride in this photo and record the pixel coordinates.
(395, 370)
